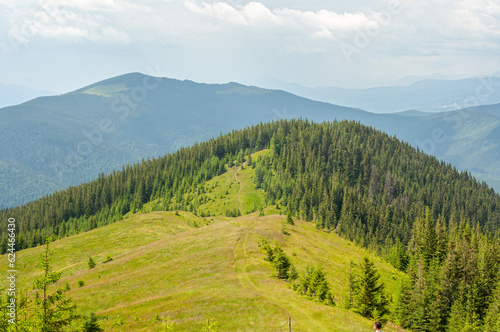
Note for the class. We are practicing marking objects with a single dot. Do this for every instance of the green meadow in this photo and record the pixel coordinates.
(186, 269)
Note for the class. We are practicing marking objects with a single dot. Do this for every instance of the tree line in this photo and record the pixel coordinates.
(426, 218)
(342, 175)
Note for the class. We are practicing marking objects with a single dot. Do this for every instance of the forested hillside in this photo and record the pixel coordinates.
(342, 175)
(423, 216)
(51, 143)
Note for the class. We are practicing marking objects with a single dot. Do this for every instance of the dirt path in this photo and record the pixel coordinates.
(241, 187)
(290, 308)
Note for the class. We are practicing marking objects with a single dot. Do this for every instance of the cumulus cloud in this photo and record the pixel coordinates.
(74, 20)
(322, 22)
(421, 37)
(253, 12)
(326, 20)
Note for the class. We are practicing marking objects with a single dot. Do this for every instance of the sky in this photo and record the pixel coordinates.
(62, 45)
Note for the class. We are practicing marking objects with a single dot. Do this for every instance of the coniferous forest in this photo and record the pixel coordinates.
(438, 225)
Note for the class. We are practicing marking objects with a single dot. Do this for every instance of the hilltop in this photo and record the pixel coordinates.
(50, 143)
(196, 218)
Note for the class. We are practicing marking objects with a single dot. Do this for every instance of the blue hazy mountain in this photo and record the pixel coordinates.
(16, 94)
(50, 143)
(429, 95)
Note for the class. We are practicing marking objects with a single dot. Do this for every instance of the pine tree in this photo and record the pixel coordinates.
(4, 310)
(402, 307)
(91, 324)
(51, 310)
(389, 188)
(349, 300)
(91, 263)
(289, 218)
(369, 298)
(373, 189)
(281, 263)
(492, 320)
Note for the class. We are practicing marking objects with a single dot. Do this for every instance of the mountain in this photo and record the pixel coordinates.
(50, 143)
(429, 95)
(16, 94)
(468, 139)
(169, 239)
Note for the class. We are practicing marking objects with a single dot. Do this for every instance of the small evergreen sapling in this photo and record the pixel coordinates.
(91, 324)
(91, 263)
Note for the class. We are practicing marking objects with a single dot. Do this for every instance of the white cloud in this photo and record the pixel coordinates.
(252, 13)
(73, 20)
(321, 22)
(111, 34)
(295, 41)
(326, 20)
(90, 5)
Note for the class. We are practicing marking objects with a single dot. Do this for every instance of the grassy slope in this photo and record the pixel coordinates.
(164, 265)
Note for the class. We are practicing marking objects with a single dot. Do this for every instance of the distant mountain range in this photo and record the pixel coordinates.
(427, 95)
(16, 94)
(50, 143)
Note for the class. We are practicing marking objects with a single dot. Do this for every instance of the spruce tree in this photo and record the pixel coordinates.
(492, 319)
(91, 324)
(281, 263)
(52, 311)
(370, 296)
(289, 218)
(91, 263)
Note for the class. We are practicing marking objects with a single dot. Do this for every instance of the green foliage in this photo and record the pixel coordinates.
(91, 263)
(211, 324)
(366, 295)
(284, 229)
(108, 259)
(453, 277)
(280, 260)
(91, 324)
(4, 311)
(315, 285)
(49, 310)
(281, 263)
(167, 324)
(233, 213)
(492, 319)
(80, 283)
(350, 179)
(321, 172)
(289, 218)
(119, 322)
(293, 274)
(264, 245)
(348, 300)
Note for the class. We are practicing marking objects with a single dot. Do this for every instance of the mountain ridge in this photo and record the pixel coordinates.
(54, 142)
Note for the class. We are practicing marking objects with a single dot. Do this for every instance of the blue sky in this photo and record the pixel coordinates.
(62, 45)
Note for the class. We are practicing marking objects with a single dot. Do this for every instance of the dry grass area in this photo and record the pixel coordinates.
(163, 266)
